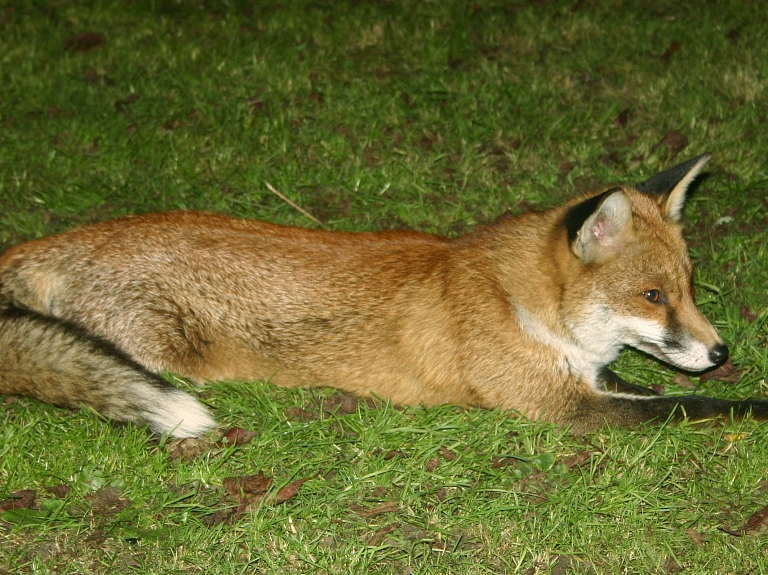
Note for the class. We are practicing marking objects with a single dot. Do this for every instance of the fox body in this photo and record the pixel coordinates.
(524, 314)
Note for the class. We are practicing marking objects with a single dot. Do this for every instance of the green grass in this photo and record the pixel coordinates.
(436, 116)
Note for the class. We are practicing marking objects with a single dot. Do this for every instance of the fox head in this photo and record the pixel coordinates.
(634, 274)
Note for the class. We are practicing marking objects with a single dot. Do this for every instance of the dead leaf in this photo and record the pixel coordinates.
(107, 501)
(413, 533)
(386, 507)
(301, 414)
(380, 491)
(674, 142)
(84, 42)
(349, 405)
(461, 541)
(24, 499)
(60, 491)
(256, 104)
(696, 536)
(578, 459)
(373, 403)
(45, 551)
(671, 566)
(120, 105)
(565, 168)
(611, 159)
(173, 125)
(372, 158)
(97, 536)
(249, 490)
(503, 461)
(243, 485)
(659, 389)
(748, 314)
(561, 565)
(726, 372)
(683, 381)
(236, 436)
(448, 455)
(344, 404)
(673, 47)
(289, 491)
(223, 516)
(188, 449)
(758, 520)
(622, 118)
(432, 465)
(128, 560)
(524, 483)
(380, 534)
(389, 454)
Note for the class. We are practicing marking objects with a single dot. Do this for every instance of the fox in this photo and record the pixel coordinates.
(523, 315)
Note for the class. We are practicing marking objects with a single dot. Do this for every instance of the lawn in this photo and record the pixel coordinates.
(370, 115)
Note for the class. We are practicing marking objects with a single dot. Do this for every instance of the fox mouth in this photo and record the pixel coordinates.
(685, 360)
(656, 351)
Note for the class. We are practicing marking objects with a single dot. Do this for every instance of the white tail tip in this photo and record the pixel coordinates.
(180, 415)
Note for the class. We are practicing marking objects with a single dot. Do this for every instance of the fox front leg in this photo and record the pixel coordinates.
(611, 381)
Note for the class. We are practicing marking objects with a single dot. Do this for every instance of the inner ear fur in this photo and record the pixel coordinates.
(596, 226)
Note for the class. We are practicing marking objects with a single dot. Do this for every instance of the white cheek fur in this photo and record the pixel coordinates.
(590, 347)
(598, 335)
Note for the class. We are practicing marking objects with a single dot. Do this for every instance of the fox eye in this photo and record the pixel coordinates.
(652, 295)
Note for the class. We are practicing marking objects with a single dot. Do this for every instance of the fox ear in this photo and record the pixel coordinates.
(595, 226)
(671, 186)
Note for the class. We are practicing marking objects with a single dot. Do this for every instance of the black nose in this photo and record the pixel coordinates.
(718, 354)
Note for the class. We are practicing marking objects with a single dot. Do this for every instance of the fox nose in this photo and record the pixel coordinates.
(718, 354)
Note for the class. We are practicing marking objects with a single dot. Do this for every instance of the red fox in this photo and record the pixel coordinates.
(524, 314)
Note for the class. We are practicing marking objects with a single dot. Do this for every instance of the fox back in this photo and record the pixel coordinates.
(524, 314)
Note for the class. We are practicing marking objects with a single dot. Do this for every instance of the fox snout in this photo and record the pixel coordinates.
(701, 346)
(688, 352)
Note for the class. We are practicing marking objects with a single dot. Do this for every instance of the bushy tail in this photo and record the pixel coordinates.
(630, 410)
(57, 362)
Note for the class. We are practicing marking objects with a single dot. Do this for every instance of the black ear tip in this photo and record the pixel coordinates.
(664, 182)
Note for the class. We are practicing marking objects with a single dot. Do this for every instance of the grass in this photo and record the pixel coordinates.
(436, 116)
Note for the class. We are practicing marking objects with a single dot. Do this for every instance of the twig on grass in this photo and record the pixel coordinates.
(292, 204)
